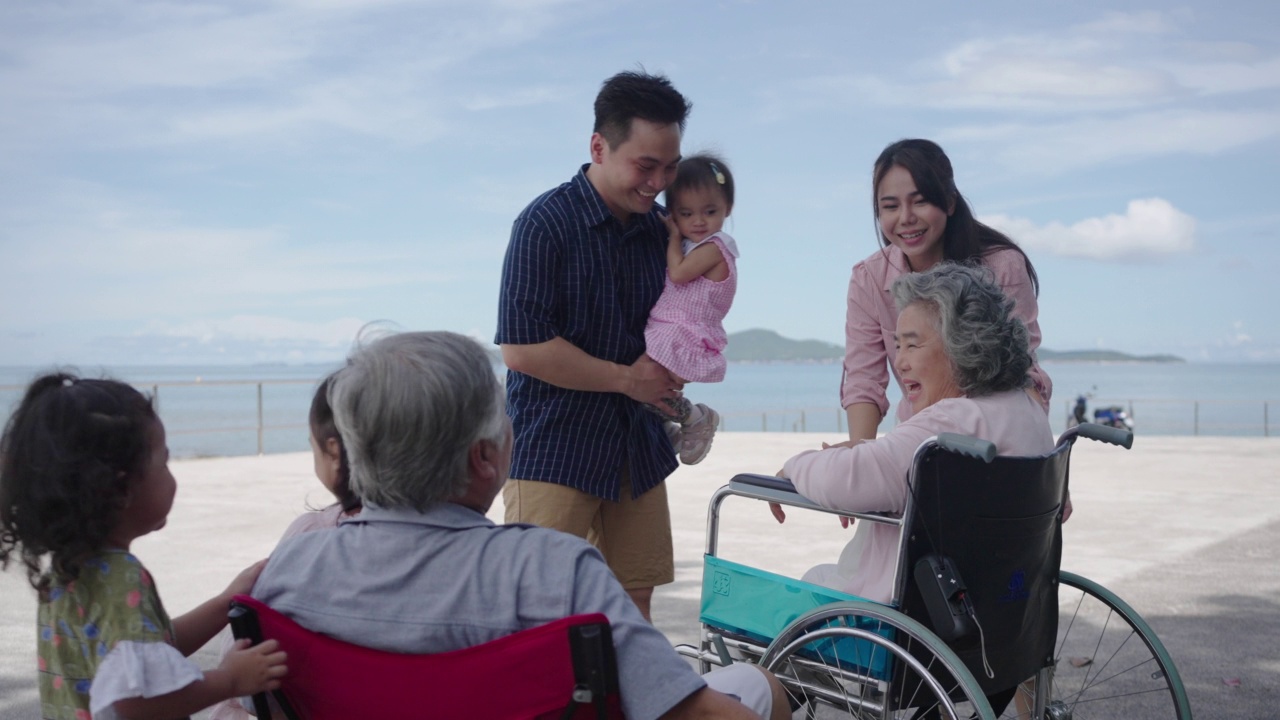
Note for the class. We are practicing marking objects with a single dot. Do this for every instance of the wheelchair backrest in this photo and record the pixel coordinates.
(534, 673)
(1000, 525)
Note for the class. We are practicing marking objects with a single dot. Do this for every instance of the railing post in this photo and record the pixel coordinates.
(1266, 420)
(259, 418)
(1196, 424)
(802, 425)
(155, 396)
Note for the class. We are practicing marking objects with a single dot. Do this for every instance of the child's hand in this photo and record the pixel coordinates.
(673, 232)
(245, 580)
(255, 669)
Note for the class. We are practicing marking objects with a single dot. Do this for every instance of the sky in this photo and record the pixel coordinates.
(249, 181)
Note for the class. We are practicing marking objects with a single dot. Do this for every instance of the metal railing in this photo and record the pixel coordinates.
(1154, 416)
(259, 428)
(1164, 416)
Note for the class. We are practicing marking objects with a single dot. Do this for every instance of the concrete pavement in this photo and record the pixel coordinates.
(1186, 529)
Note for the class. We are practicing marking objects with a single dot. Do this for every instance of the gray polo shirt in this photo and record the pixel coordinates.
(449, 579)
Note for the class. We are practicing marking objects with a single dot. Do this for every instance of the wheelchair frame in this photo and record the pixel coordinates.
(957, 693)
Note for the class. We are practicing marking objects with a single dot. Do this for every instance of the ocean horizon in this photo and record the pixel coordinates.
(212, 410)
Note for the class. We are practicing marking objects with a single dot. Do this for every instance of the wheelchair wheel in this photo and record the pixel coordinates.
(1109, 663)
(865, 660)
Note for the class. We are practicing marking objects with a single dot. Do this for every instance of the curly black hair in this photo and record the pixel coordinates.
(67, 457)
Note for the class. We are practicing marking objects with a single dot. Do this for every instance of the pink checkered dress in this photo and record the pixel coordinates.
(685, 333)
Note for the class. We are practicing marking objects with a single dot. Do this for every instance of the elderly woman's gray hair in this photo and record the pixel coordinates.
(409, 406)
(987, 345)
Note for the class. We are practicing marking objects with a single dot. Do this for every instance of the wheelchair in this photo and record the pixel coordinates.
(576, 675)
(980, 606)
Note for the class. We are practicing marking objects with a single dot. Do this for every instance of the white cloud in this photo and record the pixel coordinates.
(1051, 148)
(136, 260)
(1149, 229)
(333, 333)
(1044, 73)
(1121, 62)
(135, 75)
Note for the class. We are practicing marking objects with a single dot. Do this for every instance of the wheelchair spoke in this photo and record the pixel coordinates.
(1109, 664)
(868, 661)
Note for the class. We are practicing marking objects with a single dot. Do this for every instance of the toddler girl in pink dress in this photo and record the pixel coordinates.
(685, 333)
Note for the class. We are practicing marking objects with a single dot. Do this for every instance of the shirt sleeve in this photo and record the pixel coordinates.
(139, 669)
(872, 475)
(528, 299)
(653, 677)
(1010, 270)
(866, 369)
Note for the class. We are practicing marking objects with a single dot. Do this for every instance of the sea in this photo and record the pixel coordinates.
(222, 410)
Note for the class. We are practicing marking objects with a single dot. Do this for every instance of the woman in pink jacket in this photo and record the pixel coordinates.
(923, 220)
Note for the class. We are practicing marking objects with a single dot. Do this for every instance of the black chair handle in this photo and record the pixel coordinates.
(983, 450)
(1112, 435)
(244, 624)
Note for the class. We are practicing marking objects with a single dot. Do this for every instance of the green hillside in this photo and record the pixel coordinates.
(768, 346)
(759, 345)
(1046, 355)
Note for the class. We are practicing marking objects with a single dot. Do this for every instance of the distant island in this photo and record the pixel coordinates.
(1101, 356)
(760, 345)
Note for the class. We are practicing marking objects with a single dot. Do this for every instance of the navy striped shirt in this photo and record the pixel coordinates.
(574, 271)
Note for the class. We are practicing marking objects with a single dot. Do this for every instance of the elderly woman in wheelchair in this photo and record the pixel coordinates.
(945, 603)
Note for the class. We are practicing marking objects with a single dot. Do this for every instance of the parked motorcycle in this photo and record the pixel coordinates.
(1113, 416)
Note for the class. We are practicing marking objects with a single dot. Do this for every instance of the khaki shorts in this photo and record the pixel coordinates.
(633, 534)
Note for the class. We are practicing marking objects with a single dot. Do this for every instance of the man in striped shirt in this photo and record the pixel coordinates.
(585, 264)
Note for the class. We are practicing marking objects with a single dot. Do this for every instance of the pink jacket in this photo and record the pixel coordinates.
(873, 317)
(872, 477)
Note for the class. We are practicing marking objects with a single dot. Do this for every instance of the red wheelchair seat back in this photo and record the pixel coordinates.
(529, 674)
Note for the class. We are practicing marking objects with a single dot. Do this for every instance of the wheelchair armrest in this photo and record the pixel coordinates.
(783, 492)
(772, 489)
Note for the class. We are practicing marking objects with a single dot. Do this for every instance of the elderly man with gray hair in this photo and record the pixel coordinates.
(963, 360)
(422, 570)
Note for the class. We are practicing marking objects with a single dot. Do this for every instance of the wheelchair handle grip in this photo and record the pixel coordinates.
(1114, 436)
(983, 450)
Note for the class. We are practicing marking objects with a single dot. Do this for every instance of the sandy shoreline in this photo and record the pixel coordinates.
(1173, 507)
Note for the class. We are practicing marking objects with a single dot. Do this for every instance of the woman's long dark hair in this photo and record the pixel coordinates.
(323, 429)
(965, 240)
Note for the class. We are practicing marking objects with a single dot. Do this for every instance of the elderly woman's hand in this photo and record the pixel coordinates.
(845, 522)
(774, 507)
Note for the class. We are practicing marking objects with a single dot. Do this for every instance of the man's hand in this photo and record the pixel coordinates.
(648, 382)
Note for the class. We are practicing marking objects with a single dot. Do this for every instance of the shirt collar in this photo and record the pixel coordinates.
(597, 212)
(898, 266)
(445, 515)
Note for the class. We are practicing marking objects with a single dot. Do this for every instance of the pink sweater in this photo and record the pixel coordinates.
(872, 477)
(873, 317)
